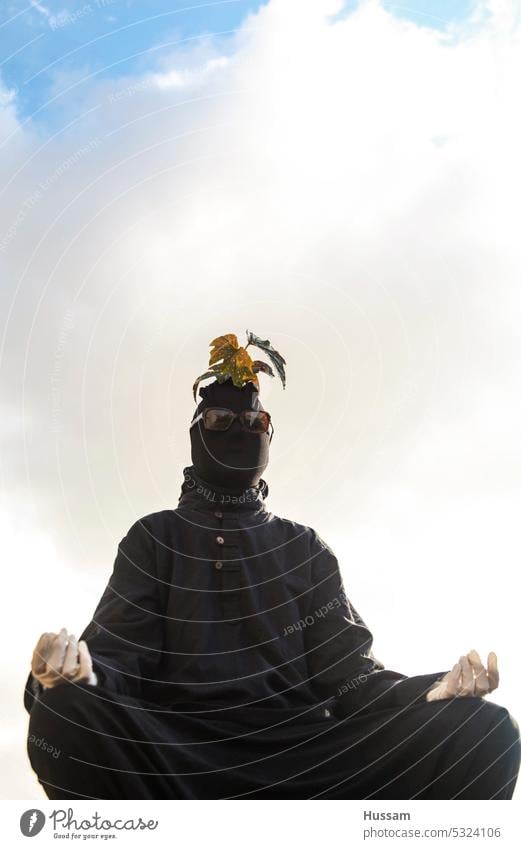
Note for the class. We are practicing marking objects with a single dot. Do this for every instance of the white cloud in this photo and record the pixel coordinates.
(43, 10)
(181, 78)
(347, 187)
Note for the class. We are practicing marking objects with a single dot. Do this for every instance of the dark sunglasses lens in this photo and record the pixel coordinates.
(217, 419)
(257, 421)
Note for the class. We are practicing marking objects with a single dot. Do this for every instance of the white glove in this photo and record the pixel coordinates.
(58, 658)
(468, 677)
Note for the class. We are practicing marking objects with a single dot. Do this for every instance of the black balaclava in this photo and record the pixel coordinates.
(233, 459)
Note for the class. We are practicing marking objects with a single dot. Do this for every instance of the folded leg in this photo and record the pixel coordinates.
(460, 748)
(110, 747)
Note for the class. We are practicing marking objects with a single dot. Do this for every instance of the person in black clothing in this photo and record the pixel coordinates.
(225, 660)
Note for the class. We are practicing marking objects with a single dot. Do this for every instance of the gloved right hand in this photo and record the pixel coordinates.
(59, 658)
(467, 678)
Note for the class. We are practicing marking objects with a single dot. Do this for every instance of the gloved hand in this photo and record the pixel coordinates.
(58, 658)
(468, 677)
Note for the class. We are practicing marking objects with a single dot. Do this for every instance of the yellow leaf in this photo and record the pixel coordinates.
(224, 347)
(229, 359)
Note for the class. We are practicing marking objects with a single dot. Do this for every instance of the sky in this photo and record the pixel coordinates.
(343, 179)
(44, 43)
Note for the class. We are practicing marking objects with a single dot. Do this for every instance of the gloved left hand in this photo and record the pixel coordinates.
(468, 677)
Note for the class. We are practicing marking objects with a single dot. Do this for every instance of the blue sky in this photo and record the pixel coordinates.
(39, 41)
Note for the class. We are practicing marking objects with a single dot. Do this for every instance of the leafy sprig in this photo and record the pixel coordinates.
(228, 360)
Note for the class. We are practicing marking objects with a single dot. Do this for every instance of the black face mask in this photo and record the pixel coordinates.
(233, 458)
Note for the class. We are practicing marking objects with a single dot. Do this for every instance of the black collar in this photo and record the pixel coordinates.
(198, 494)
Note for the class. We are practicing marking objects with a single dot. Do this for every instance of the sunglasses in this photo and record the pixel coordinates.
(220, 418)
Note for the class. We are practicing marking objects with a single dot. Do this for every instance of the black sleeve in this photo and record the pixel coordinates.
(341, 663)
(126, 634)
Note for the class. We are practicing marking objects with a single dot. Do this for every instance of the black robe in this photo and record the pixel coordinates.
(231, 663)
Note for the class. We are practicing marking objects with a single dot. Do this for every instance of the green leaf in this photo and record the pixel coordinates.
(198, 380)
(276, 358)
(259, 365)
